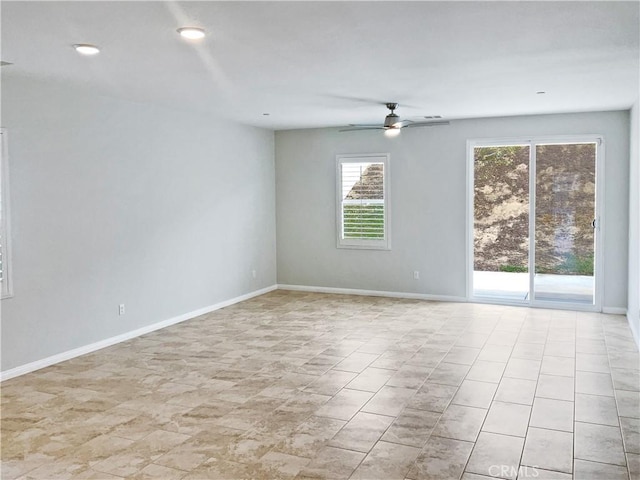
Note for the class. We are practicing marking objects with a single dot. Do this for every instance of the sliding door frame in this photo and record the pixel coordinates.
(532, 142)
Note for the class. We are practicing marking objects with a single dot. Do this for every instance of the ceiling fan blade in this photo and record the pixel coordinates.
(427, 124)
(361, 127)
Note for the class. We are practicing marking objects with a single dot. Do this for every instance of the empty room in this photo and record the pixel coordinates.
(320, 240)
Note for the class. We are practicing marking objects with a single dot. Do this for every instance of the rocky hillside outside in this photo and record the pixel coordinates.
(565, 204)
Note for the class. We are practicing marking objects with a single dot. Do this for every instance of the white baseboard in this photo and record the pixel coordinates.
(76, 352)
(416, 296)
(372, 293)
(614, 310)
(634, 324)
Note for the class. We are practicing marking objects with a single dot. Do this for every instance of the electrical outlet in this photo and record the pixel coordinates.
(416, 275)
(121, 309)
(253, 272)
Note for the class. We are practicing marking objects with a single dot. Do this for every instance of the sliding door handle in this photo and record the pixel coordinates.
(593, 224)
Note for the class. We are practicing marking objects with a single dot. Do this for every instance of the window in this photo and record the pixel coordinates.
(5, 237)
(363, 208)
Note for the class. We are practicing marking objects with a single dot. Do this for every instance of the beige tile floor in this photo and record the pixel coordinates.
(298, 385)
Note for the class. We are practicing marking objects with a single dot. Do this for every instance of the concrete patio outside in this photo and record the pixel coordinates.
(548, 287)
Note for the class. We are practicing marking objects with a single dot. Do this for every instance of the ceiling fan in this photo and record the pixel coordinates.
(393, 124)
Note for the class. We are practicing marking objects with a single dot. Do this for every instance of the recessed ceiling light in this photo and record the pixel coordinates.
(192, 33)
(86, 49)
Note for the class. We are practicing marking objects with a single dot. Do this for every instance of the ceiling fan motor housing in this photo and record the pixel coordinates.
(391, 120)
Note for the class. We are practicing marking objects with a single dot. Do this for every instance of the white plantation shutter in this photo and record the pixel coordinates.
(362, 201)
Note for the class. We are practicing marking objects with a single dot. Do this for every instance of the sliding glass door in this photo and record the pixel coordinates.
(501, 222)
(565, 222)
(534, 222)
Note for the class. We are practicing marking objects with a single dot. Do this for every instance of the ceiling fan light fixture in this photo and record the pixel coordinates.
(392, 132)
(191, 33)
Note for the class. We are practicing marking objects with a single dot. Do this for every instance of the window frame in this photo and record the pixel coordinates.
(362, 243)
(5, 218)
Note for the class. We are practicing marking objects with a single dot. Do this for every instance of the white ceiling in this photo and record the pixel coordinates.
(316, 64)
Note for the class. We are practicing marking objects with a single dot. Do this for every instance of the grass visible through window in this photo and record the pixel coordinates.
(363, 221)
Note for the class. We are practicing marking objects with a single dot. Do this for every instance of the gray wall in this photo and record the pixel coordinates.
(116, 202)
(633, 313)
(428, 203)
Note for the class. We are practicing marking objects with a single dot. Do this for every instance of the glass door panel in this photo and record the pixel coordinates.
(565, 212)
(501, 222)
